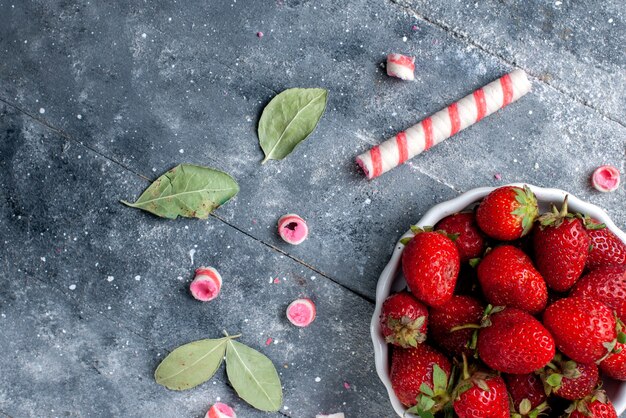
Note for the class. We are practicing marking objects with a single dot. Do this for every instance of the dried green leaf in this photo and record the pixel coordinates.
(187, 190)
(289, 119)
(253, 376)
(191, 364)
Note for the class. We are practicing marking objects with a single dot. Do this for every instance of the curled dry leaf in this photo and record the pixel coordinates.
(289, 119)
(187, 190)
(253, 376)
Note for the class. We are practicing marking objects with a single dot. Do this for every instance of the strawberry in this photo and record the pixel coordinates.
(615, 364)
(507, 213)
(584, 329)
(457, 311)
(596, 405)
(481, 395)
(561, 246)
(508, 278)
(527, 395)
(417, 368)
(513, 341)
(403, 320)
(470, 241)
(606, 248)
(606, 284)
(430, 263)
(568, 379)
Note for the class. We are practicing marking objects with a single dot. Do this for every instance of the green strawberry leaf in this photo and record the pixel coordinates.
(555, 380)
(440, 380)
(426, 390)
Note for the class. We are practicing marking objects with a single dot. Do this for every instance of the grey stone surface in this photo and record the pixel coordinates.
(576, 47)
(101, 98)
(95, 289)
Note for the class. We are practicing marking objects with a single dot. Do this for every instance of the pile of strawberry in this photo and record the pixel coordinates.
(509, 313)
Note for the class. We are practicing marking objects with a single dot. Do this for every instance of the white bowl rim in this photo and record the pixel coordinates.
(431, 217)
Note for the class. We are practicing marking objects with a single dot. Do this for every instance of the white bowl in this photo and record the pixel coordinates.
(391, 280)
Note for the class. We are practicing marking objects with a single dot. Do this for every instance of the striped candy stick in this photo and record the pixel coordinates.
(443, 124)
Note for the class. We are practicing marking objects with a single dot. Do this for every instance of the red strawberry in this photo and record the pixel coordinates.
(481, 395)
(457, 311)
(515, 342)
(430, 263)
(570, 380)
(508, 278)
(469, 241)
(527, 394)
(507, 213)
(605, 284)
(606, 248)
(561, 246)
(403, 320)
(412, 367)
(596, 405)
(584, 329)
(615, 364)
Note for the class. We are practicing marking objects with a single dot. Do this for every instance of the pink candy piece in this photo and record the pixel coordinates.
(221, 410)
(337, 415)
(444, 124)
(606, 178)
(206, 284)
(292, 229)
(400, 66)
(259, 34)
(301, 312)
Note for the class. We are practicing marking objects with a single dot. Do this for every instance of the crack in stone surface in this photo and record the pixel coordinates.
(473, 42)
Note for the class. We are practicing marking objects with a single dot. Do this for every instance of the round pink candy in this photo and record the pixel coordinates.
(606, 178)
(292, 229)
(301, 312)
(221, 410)
(206, 284)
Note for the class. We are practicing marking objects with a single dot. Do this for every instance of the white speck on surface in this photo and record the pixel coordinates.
(313, 277)
(611, 20)
(192, 252)
(404, 39)
(137, 277)
(180, 278)
(43, 259)
(72, 287)
(368, 201)
(530, 112)
(79, 116)
(110, 279)
(285, 407)
(181, 151)
(536, 166)
(558, 3)
(42, 110)
(144, 36)
(318, 379)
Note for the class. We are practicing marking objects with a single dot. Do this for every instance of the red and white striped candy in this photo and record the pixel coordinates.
(443, 124)
(221, 410)
(401, 66)
(206, 284)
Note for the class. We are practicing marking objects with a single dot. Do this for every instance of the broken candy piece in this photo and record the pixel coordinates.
(221, 410)
(400, 66)
(605, 178)
(206, 284)
(301, 312)
(292, 229)
(337, 415)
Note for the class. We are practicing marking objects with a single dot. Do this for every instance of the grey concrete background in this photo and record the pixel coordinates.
(97, 99)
